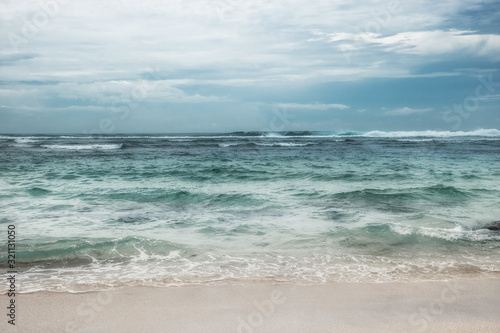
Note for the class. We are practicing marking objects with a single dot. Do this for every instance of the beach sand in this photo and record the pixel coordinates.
(471, 305)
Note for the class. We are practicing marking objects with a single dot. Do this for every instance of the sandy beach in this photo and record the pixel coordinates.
(250, 166)
(453, 306)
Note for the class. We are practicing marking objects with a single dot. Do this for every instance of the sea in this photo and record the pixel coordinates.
(94, 212)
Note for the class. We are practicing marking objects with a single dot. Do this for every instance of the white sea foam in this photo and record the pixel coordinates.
(24, 140)
(173, 269)
(450, 234)
(283, 144)
(492, 133)
(459, 233)
(251, 240)
(269, 144)
(416, 140)
(225, 145)
(401, 229)
(84, 147)
(439, 134)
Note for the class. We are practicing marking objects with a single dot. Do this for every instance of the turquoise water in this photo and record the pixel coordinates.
(94, 212)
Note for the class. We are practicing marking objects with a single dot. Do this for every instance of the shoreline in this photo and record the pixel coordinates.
(460, 305)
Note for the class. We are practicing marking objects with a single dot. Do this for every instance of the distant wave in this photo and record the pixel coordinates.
(301, 133)
(270, 144)
(382, 134)
(490, 133)
(439, 134)
(24, 140)
(22, 137)
(245, 134)
(284, 144)
(391, 134)
(84, 147)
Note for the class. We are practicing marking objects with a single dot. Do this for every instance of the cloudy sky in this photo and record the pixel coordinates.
(175, 66)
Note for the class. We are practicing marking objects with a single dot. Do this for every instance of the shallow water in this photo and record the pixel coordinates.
(97, 211)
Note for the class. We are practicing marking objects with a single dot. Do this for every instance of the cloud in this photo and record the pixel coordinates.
(441, 42)
(425, 43)
(99, 96)
(233, 55)
(405, 111)
(111, 92)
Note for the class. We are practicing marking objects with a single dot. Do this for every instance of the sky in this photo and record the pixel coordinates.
(175, 66)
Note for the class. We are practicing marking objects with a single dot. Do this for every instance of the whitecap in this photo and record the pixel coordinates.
(439, 134)
(85, 147)
(24, 140)
(283, 144)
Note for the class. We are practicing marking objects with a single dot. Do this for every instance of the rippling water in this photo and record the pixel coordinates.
(98, 211)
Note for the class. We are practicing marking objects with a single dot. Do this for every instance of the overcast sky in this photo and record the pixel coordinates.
(112, 66)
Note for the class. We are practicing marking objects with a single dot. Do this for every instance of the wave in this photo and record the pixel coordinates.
(234, 144)
(262, 144)
(390, 134)
(388, 238)
(22, 137)
(299, 133)
(79, 265)
(401, 200)
(181, 198)
(439, 134)
(411, 192)
(80, 250)
(284, 144)
(37, 191)
(491, 133)
(369, 134)
(24, 140)
(84, 147)
(245, 134)
(373, 134)
(458, 233)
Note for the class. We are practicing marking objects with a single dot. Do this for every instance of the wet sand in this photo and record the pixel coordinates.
(455, 306)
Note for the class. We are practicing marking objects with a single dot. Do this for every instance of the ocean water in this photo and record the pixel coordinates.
(94, 212)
